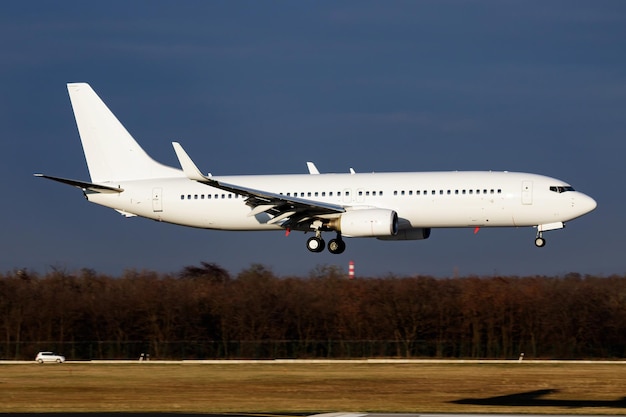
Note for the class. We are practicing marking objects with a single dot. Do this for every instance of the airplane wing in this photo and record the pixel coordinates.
(286, 211)
(86, 186)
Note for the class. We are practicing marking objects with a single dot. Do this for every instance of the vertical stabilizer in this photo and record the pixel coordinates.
(111, 152)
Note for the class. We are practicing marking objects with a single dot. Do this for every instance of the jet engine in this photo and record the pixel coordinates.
(367, 223)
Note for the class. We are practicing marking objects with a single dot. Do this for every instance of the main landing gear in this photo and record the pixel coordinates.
(317, 244)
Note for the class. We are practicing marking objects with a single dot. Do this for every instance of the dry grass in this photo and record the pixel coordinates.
(297, 388)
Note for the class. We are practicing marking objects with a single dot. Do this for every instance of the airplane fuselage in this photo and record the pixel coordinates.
(421, 199)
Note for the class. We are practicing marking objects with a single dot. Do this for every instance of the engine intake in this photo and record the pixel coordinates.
(367, 223)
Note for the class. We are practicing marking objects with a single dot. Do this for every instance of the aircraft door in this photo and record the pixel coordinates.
(527, 192)
(157, 200)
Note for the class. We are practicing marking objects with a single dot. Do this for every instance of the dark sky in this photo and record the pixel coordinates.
(252, 87)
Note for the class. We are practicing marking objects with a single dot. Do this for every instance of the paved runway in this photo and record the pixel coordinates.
(443, 415)
(345, 414)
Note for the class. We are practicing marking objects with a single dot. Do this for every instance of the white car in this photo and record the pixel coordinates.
(49, 357)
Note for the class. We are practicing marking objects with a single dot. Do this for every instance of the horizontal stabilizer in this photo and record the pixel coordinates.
(88, 186)
(125, 213)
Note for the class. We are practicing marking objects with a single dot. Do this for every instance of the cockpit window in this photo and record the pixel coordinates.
(561, 189)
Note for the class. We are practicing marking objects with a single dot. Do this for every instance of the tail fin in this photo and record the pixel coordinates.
(111, 152)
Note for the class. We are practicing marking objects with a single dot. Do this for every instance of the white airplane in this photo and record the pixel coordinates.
(387, 206)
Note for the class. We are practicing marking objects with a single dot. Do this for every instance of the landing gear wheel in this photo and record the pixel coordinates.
(315, 244)
(336, 246)
(540, 242)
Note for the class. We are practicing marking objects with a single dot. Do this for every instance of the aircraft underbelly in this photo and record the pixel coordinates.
(469, 214)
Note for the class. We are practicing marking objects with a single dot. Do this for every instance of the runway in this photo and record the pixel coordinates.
(339, 414)
(445, 415)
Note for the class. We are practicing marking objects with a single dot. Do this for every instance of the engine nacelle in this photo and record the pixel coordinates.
(409, 234)
(367, 223)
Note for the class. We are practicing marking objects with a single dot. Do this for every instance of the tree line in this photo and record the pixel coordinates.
(203, 312)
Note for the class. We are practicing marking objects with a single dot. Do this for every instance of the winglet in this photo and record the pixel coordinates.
(189, 168)
(312, 168)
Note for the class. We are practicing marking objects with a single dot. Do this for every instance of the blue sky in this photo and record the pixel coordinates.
(262, 87)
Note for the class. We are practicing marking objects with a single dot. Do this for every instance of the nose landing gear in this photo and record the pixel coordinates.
(540, 242)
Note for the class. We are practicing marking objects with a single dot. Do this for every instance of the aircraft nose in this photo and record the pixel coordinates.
(586, 203)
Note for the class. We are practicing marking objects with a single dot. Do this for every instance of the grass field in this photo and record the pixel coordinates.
(320, 387)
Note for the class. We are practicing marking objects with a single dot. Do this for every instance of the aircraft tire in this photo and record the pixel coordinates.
(315, 244)
(336, 246)
(540, 242)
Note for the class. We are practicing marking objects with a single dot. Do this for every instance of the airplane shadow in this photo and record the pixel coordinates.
(533, 399)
